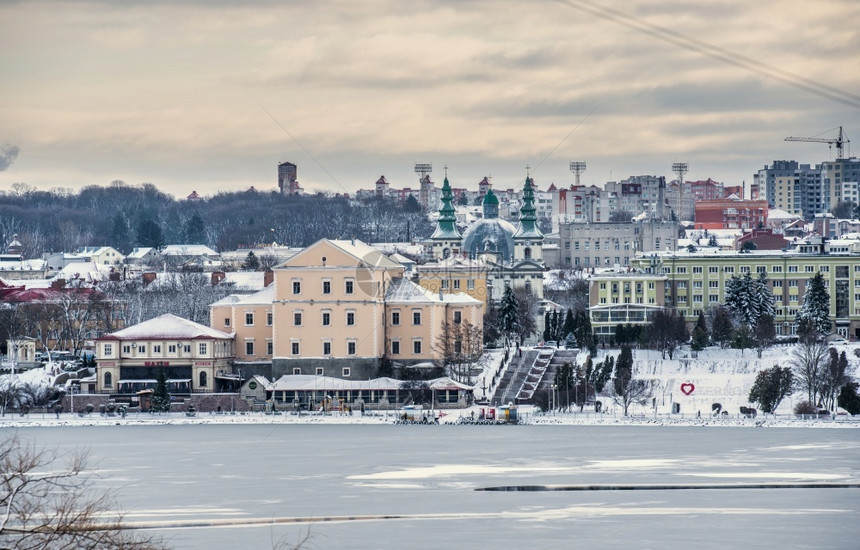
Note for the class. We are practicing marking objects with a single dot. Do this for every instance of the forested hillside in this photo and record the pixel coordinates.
(124, 216)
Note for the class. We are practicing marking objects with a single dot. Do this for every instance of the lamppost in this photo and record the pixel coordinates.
(553, 400)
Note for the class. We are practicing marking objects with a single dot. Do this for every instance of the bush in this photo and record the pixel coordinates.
(805, 407)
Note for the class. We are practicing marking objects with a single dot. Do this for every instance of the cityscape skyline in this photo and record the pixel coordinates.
(211, 96)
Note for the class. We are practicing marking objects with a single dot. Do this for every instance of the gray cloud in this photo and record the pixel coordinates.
(8, 154)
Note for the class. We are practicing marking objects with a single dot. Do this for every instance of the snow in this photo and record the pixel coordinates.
(167, 327)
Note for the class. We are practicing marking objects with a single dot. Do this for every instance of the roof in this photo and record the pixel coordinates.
(403, 290)
(188, 250)
(249, 280)
(167, 327)
(138, 253)
(293, 382)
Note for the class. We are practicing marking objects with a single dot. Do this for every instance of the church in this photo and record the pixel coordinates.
(492, 249)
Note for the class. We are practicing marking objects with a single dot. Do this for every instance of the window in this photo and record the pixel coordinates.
(297, 319)
(744, 269)
(156, 348)
(141, 349)
(202, 348)
(294, 348)
(226, 321)
(326, 289)
(326, 348)
(792, 269)
(697, 269)
(249, 348)
(682, 285)
(186, 348)
(697, 297)
(697, 284)
(777, 284)
(350, 318)
(713, 284)
(203, 380)
(346, 372)
(171, 349)
(444, 284)
(326, 318)
(297, 370)
(458, 317)
(777, 269)
(808, 269)
(350, 347)
(395, 347)
(108, 350)
(470, 284)
(416, 347)
(713, 298)
(713, 269)
(270, 348)
(729, 269)
(297, 286)
(320, 371)
(249, 319)
(348, 286)
(456, 284)
(127, 349)
(824, 269)
(395, 317)
(681, 270)
(108, 379)
(268, 318)
(416, 317)
(650, 286)
(760, 269)
(792, 283)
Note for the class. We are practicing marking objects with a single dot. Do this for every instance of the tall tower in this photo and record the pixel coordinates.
(446, 239)
(528, 239)
(287, 174)
(425, 185)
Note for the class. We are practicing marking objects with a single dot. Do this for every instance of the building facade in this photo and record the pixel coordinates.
(598, 245)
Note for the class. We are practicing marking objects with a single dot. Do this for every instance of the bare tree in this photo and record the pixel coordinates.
(50, 506)
(809, 361)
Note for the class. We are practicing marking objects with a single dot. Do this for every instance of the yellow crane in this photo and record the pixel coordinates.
(839, 141)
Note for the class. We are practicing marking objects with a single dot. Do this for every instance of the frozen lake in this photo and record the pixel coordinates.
(426, 477)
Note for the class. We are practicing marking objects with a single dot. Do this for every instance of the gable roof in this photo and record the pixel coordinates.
(166, 327)
(361, 252)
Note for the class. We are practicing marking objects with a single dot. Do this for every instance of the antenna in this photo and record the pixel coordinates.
(423, 169)
(680, 168)
(577, 167)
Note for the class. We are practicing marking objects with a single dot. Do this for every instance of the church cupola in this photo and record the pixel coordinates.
(446, 238)
(528, 239)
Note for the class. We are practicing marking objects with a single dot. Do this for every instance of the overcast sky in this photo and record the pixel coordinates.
(211, 95)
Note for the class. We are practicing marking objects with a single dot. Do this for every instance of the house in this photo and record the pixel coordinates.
(144, 256)
(193, 356)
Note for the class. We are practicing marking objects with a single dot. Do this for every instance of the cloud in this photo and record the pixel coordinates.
(8, 154)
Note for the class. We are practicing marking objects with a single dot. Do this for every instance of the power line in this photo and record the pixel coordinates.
(715, 52)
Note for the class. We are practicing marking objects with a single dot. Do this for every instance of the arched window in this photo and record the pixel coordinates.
(446, 252)
(108, 380)
(203, 379)
(527, 253)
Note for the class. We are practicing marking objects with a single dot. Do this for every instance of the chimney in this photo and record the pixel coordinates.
(268, 277)
(148, 277)
(217, 277)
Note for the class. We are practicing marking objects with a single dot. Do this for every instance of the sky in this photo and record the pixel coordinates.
(212, 95)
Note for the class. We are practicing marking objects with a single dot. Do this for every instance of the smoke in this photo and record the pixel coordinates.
(8, 154)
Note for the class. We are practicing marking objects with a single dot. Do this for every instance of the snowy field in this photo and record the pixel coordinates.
(416, 486)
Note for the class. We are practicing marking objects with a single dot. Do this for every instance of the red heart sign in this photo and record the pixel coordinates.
(687, 388)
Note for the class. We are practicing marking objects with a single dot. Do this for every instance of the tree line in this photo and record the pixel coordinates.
(125, 216)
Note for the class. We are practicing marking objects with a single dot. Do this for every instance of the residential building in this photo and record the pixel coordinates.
(591, 245)
(730, 213)
(193, 356)
(696, 281)
(622, 298)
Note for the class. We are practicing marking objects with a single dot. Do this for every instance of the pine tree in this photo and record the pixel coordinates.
(195, 230)
(509, 312)
(700, 334)
(547, 327)
(569, 325)
(771, 386)
(721, 327)
(814, 313)
(149, 233)
(251, 263)
(161, 395)
(120, 239)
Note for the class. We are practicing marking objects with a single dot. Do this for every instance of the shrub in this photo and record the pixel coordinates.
(804, 407)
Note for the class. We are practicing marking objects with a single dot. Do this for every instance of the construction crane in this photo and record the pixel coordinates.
(839, 141)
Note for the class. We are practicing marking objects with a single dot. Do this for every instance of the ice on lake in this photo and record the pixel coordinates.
(389, 486)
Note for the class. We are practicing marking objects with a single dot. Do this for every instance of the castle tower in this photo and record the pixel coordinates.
(528, 239)
(446, 238)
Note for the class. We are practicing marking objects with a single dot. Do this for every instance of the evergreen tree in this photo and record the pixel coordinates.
(569, 326)
(251, 263)
(195, 230)
(764, 299)
(583, 332)
(815, 310)
(771, 386)
(700, 334)
(411, 204)
(722, 327)
(492, 321)
(764, 333)
(161, 395)
(509, 312)
(120, 238)
(149, 233)
(547, 326)
(564, 381)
